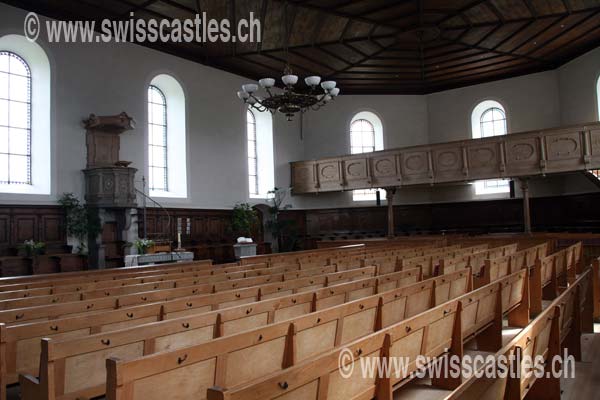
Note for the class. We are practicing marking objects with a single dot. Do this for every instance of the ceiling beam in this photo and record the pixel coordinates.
(539, 17)
(563, 32)
(333, 11)
(541, 32)
(530, 8)
(504, 53)
(137, 7)
(324, 43)
(460, 11)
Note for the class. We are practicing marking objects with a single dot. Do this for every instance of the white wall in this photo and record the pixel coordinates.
(106, 79)
(531, 102)
(326, 133)
(577, 82)
(536, 101)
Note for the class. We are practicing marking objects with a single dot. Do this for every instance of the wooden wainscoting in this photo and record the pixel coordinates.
(40, 223)
(209, 234)
(576, 213)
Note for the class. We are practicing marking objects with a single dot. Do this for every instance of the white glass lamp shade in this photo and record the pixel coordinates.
(267, 82)
(289, 80)
(243, 95)
(312, 80)
(335, 91)
(328, 85)
(250, 87)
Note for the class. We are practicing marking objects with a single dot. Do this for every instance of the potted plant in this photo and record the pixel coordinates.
(33, 248)
(244, 220)
(284, 231)
(82, 222)
(142, 245)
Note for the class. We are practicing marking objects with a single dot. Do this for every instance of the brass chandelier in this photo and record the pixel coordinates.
(289, 100)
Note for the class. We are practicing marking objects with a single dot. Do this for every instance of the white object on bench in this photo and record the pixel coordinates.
(144, 259)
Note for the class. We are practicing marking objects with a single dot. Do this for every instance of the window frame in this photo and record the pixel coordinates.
(252, 144)
(598, 97)
(151, 145)
(28, 102)
(44, 161)
(177, 140)
(376, 129)
(489, 186)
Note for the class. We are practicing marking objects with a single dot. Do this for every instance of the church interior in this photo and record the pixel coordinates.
(299, 199)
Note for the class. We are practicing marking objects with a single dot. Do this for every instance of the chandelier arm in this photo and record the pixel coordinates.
(257, 107)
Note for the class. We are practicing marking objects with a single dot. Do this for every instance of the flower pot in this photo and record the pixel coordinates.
(244, 250)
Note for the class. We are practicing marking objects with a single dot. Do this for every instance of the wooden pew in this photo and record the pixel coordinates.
(436, 333)
(549, 275)
(20, 343)
(558, 327)
(103, 273)
(122, 286)
(432, 265)
(202, 328)
(477, 261)
(320, 378)
(214, 283)
(148, 291)
(452, 263)
(135, 285)
(293, 256)
(110, 278)
(501, 266)
(596, 287)
(124, 383)
(277, 288)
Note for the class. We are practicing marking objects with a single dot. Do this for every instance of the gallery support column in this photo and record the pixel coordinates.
(526, 210)
(389, 196)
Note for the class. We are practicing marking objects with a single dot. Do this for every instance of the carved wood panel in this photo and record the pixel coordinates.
(303, 177)
(484, 159)
(517, 154)
(39, 223)
(4, 231)
(522, 155)
(448, 164)
(564, 151)
(595, 142)
(415, 166)
(355, 169)
(384, 170)
(51, 228)
(329, 175)
(24, 228)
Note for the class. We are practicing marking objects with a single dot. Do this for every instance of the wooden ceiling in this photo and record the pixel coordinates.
(375, 46)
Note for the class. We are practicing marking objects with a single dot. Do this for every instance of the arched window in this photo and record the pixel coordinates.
(261, 166)
(362, 137)
(167, 138)
(25, 125)
(157, 143)
(15, 120)
(598, 96)
(489, 119)
(366, 136)
(252, 154)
